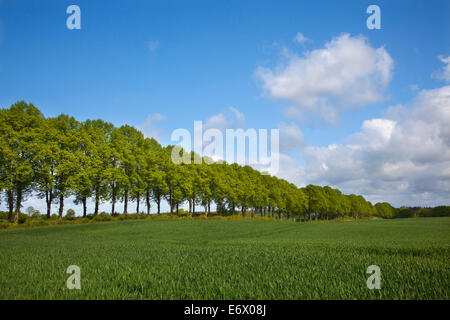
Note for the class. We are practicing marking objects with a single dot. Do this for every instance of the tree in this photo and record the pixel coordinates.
(219, 186)
(32, 212)
(99, 133)
(129, 151)
(159, 179)
(151, 173)
(46, 162)
(18, 129)
(82, 185)
(59, 157)
(67, 157)
(316, 201)
(204, 184)
(116, 176)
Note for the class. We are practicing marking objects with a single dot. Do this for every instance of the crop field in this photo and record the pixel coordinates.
(194, 259)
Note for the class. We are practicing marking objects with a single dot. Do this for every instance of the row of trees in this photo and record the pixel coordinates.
(54, 158)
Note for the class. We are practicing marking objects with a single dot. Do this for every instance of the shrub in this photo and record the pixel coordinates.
(3, 215)
(424, 212)
(183, 212)
(102, 217)
(70, 214)
(385, 210)
(36, 214)
(404, 213)
(83, 220)
(441, 211)
(4, 224)
(22, 217)
(130, 216)
(37, 223)
(31, 212)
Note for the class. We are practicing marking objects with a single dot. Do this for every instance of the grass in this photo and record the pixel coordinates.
(195, 259)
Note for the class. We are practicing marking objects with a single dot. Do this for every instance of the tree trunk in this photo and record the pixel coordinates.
(170, 202)
(147, 201)
(125, 204)
(190, 207)
(193, 207)
(219, 208)
(48, 201)
(84, 207)
(138, 200)
(178, 213)
(18, 205)
(10, 195)
(206, 209)
(61, 205)
(209, 208)
(97, 201)
(113, 201)
(159, 204)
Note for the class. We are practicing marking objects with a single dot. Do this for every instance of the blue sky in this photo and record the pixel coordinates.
(192, 60)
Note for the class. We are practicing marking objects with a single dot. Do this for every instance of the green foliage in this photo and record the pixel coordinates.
(70, 214)
(31, 212)
(404, 212)
(440, 211)
(102, 217)
(385, 210)
(4, 224)
(54, 158)
(22, 217)
(4, 215)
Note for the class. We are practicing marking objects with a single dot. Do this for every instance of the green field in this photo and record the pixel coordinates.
(192, 259)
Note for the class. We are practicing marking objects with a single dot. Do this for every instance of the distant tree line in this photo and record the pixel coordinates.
(411, 212)
(55, 158)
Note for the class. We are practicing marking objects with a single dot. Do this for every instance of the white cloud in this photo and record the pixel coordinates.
(153, 45)
(217, 121)
(239, 115)
(228, 119)
(291, 137)
(444, 73)
(231, 118)
(300, 38)
(347, 72)
(414, 87)
(402, 159)
(148, 127)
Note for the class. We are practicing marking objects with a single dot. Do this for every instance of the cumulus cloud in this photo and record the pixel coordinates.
(347, 72)
(291, 137)
(300, 38)
(239, 115)
(153, 45)
(403, 158)
(414, 87)
(444, 72)
(148, 126)
(228, 119)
